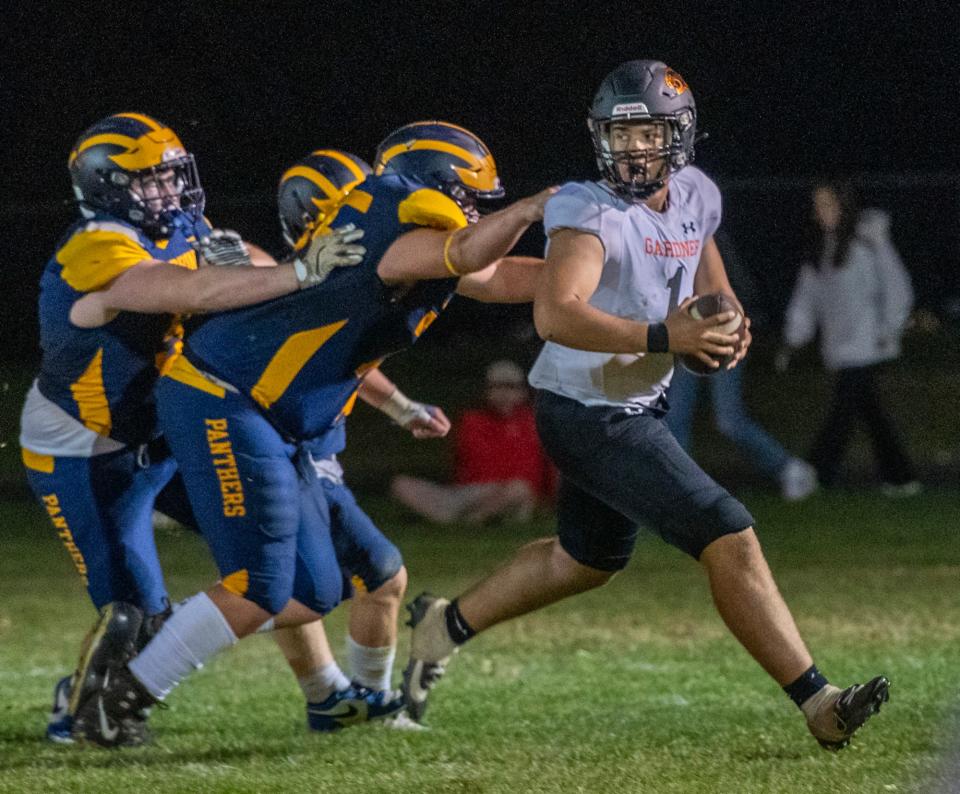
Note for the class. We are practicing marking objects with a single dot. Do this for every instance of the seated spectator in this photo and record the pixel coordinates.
(501, 471)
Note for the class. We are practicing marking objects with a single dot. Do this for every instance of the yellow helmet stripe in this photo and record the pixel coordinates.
(313, 176)
(153, 125)
(139, 153)
(341, 158)
(108, 137)
(435, 146)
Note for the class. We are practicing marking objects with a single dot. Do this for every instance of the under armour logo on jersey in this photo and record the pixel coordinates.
(689, 228)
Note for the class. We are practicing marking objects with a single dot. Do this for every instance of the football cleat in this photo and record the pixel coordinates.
(834, 715)
(401, 721)
(60, 721)
(115, 714)
(352, 706)
(111, 642)
(430, 650)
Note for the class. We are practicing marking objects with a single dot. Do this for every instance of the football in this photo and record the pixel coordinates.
(707, 306)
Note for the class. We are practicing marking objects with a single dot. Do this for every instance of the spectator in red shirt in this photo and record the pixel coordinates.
(501, 471)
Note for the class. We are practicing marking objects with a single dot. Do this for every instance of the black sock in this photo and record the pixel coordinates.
(457, 626)
(806, 686)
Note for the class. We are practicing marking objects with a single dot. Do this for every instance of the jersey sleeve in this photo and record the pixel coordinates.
(432, 209)
(712, 206)
(98, 253)
(573, 207)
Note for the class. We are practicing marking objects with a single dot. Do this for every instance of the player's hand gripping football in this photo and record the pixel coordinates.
(744, 343)
(222, 247)
(333, 249)
(700, 338)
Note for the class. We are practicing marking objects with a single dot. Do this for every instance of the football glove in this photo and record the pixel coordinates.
(325, 252)
(223, 247)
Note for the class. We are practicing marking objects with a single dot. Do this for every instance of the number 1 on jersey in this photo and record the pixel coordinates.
(673, 284)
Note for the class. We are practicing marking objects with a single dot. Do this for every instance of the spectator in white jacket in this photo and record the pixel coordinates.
(857, 293)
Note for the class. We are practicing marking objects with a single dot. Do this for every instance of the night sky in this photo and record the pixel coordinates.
(840, 88)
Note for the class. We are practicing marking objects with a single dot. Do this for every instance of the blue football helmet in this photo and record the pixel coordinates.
(311, 189)
(445, 156)
(133, 167)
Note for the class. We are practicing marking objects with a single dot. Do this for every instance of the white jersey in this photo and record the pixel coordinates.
(650, 260)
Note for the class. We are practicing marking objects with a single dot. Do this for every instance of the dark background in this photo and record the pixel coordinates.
(868, 90)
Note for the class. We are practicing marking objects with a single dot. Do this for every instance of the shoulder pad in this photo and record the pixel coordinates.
(98, 253)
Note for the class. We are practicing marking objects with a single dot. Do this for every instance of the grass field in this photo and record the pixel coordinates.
(633, 688)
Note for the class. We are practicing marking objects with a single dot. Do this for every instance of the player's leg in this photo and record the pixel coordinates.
(634, 465)
(594, 541)
(319, 583)
(379, 581)
(307, 651)
(751, 605)
(243, 490)
(100, 508)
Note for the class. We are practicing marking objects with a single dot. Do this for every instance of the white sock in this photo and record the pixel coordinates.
(190, 636)
(323, 682)
(371, 667)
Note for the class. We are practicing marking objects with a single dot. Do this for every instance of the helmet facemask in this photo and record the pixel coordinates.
(465, 198)
(163, 195)
(635, 172)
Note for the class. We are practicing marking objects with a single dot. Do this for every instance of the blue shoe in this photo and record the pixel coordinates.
(352, 706)
(60, 721)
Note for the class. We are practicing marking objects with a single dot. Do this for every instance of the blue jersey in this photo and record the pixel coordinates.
(104, 377)
(301, 357)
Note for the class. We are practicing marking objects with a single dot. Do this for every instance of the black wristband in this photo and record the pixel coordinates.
(658, 340)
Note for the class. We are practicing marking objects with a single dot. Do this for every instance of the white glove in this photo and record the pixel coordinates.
(223, 247)
(404, 411)
(328, 251)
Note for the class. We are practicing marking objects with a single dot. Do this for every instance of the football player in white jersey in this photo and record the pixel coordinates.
(625, 255)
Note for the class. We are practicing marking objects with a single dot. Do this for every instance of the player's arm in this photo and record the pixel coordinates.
(562, 312)
(150, 286)
(512, 279)
(154, 287)
(423, 421)
(432, 253)
(711, 277)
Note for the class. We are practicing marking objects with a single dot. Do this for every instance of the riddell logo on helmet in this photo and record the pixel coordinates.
(629, 109)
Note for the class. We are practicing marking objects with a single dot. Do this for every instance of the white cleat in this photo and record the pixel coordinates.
(430, 650)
